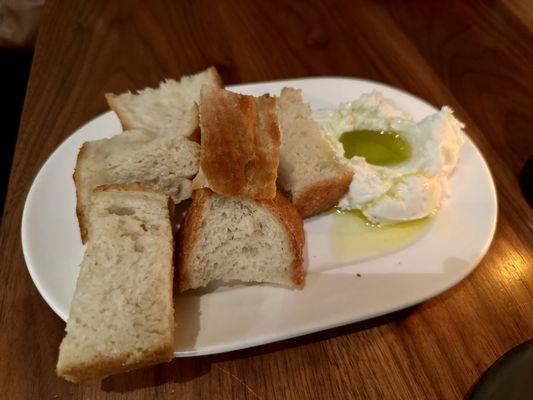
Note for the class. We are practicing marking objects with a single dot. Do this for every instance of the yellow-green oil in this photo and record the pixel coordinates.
(355, 238)
(377, 147)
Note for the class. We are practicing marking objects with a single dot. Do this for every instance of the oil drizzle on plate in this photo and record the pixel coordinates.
(354, 238)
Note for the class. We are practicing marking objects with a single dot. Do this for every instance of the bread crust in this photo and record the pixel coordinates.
(188, 234)
(80, 207)
(216, 77)
(280, 207)
(288, 215)
(104, 366)
(265, 167)
(240, 143)
(322, 195)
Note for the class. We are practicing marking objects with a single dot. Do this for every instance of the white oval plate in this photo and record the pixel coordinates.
(230, 318)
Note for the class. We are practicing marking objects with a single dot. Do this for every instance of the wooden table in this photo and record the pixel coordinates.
(475, 56)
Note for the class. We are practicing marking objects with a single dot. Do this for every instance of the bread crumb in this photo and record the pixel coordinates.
(358, 275)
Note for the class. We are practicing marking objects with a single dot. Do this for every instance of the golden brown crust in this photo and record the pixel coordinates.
(216, 77)
(187, 236)
(240, 143)
(104, 365)
(195, 134)
(264, 169)
(80, 207)
(227, 130)
(170, 290)
(323, 195)
(287, 214)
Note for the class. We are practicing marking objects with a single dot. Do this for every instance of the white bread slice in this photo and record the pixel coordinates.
(240, 144)
(162, 162)
(122, 316)
(308, 169)
(237, 238)
(173, 105)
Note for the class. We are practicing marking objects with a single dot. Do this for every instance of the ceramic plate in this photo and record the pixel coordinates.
(338, 290)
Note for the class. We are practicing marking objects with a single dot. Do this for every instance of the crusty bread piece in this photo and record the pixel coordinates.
(240, 143)
(122, 316)
(163, 162)
(237, 238)
(308, 169)
(173, 105)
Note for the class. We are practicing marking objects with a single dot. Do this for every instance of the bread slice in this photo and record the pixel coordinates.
(308, 169)
(122, 316)
(173, 105)
(165, 162)
(237, 238)
(240, 143)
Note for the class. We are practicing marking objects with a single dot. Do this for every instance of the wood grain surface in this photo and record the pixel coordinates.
(476, 56)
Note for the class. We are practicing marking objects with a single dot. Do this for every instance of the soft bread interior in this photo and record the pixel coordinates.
(305, 155)
(165, 163)
(121, 315)
(238, 239)
(171, 105)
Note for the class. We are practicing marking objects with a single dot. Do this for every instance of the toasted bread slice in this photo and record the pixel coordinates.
(122, 316)
(240, 144)
(173, 105)
(165, 162)
(308, 169)
(240, 239)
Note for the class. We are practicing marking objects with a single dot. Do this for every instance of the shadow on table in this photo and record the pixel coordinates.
(189, 368)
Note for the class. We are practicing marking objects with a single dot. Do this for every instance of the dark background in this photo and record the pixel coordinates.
(15, 67)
